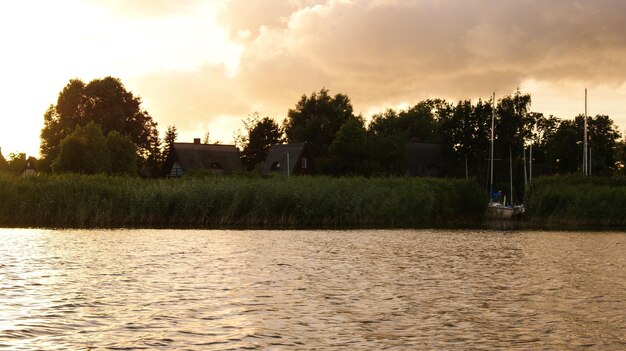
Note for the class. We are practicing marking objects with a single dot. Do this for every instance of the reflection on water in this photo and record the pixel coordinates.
(311, 290)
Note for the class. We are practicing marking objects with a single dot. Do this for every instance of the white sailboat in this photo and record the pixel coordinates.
(495, 209)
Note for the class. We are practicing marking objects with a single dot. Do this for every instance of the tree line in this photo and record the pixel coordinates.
(344, 144)
(100, 127)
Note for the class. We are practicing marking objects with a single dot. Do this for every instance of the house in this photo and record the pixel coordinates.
(289, 159)
(214, 158)
(425, 159)
(29, 168)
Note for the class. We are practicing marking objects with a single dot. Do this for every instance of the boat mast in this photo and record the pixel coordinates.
(525, 172)
(511, 172)
(493, 112)
(585, 162)
(530, 164)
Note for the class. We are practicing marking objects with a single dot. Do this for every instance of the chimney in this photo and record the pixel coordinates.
(196, 140)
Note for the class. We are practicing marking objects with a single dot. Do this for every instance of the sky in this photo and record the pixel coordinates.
(207, 65)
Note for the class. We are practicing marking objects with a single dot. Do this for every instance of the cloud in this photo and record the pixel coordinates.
(207, 64)
(388, 53)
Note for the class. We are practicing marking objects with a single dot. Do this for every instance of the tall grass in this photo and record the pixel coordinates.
(577, 200)
(102, 201)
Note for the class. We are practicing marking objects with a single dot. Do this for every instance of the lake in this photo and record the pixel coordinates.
(311, 290)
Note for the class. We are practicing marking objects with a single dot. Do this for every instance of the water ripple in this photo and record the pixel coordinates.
(311, 290)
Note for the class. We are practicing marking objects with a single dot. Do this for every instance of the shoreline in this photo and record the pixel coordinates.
(218, 202)
(490, 225)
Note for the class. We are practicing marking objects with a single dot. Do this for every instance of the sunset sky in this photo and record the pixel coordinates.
(206, 65)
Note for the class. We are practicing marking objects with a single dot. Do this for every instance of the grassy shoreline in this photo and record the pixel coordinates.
(77, 201)
(585, 202)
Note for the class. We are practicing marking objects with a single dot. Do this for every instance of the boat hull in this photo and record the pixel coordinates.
(499, 212)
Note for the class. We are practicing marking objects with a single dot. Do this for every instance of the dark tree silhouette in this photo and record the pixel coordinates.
(105, 102)
(316, 119)
(513, 124)
(88, 151)
(15, 162)
(565, 147)
(603, 141)
(349, 152)
(620, 157)
(466, 137)
(122, 154)
(261, 134)
(83, 151)
(171, 134)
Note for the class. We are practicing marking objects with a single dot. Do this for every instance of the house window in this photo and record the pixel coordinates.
(276, 165)
(304, 162)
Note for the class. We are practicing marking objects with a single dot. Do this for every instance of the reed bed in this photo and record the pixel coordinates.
(80, 201)
(598, 202)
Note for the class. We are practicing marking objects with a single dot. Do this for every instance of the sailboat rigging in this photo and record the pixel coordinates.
(495, 209)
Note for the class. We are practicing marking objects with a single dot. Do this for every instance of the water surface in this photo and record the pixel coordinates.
(311, 290)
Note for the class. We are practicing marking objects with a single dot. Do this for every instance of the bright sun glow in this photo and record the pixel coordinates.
(207, 64)
(46, 43)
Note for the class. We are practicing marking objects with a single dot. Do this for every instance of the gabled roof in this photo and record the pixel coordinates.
(278, 156)
(192, 156)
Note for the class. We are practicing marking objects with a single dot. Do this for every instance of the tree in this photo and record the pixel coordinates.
(122, 154)
(84, 151)
(420, 123)
(388, 144)
(3, 162)
(389, 154)
(513, 123)
(171, 134)
(565, 147)
(316, 120)
(262, 133)
(513, 129)
(543, 129)
(603, 140)
(620, 157)
(349, 152)
(16, 162)
(422, 120)
(105, 102)
(386, 123)
(467, 137)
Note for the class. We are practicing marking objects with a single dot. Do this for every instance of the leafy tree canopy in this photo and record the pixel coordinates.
(350, 148)
(88, 151)
(105, 102)
(171, 134)
(15, 162)
(620, 157)
(420, 123)
(316, 119)
(466, 136)
(83, 151)
(261, 134)
(513, 123)
(122, 154)
(565, 146)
